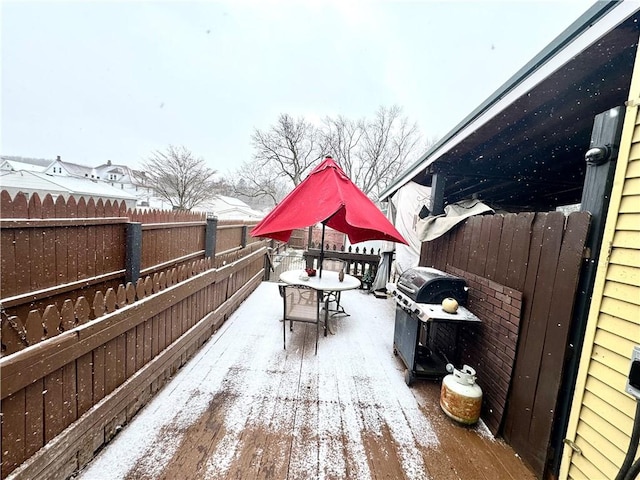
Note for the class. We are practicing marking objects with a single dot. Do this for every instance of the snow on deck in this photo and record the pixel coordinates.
(244, 407)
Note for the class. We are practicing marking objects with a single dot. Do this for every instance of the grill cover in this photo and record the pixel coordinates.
(428, 285)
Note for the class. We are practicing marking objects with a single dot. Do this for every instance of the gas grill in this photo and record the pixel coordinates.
(419, 293)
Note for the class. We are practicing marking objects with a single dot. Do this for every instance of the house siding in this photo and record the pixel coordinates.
(602, 413)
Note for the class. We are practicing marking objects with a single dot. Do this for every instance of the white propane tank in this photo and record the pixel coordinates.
(460, 396)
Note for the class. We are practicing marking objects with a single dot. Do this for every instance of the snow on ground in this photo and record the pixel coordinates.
(354, 377)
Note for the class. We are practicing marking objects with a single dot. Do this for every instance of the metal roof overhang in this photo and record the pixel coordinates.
(523, 148)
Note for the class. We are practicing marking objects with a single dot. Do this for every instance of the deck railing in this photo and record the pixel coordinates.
(362, 265)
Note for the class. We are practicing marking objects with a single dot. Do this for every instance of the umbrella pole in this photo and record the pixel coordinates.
(322, 250)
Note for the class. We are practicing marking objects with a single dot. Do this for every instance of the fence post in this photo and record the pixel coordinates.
(210, 236)
(133, 253)
(245, 234)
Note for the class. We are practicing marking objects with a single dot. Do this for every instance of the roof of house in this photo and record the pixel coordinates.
(27, 163)
(230, 208)
(27, 181)
(77, 169)
(523, 148)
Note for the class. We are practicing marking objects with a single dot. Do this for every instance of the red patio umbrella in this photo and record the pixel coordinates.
(328, 196)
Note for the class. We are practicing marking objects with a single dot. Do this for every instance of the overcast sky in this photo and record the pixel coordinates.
(92, 81)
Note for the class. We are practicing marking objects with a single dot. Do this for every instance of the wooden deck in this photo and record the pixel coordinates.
(246, 408)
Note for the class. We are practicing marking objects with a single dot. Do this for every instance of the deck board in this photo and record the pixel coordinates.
(244, 407)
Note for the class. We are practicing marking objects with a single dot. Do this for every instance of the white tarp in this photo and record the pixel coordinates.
(430, 228)
(407, 202)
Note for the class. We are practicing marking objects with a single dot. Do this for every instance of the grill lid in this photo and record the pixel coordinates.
(429, 285)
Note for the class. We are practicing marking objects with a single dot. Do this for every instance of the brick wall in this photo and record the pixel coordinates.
(490, 348)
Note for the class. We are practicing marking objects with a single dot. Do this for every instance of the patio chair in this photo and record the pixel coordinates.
(335, 265)
(301, 304)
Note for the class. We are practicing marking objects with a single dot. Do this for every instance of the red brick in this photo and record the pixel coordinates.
(495, 302)
(496, 286)
(504, 298)
(511, 309)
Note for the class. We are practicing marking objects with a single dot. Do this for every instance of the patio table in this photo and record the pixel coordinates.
(328, 283)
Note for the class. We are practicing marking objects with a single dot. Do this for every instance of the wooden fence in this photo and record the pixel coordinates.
(55, 252)
(76, 369)
(541, 256)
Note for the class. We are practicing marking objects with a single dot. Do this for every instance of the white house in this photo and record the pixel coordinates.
(29, 182)
(230, 208)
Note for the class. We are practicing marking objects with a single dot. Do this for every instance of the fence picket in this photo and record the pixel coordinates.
(34, 404)
(69, 393)
(13, 432)
(53, 405)
(7, 260)
(82, 208)
(34, 328)
(22, 272)
(13, 333)
(20, 206)
(91, 208)
(48, 207)
(72, 207)
(6, 205)
(35, 207)
(82, 310)
(68, 318)
(110, 300)
(148, 286)
(98, 304)
(131, 293)
(51, 321)
(84, 371)
(121, 296)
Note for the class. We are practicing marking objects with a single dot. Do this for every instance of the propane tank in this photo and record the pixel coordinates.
(460, 396)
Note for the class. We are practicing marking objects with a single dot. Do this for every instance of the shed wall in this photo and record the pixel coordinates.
(602, 413)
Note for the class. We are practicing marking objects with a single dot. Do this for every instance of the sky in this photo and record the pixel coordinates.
(95, 81)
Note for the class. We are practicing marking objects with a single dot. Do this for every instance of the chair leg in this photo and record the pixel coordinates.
(284, 333)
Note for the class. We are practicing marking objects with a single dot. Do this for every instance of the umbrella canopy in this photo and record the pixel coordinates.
(328, 196)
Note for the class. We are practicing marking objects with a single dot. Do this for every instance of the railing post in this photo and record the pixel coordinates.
(210, 236)
(133, 253)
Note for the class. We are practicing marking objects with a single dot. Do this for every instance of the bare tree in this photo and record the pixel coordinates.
(283, 156)
(180, 178)
(344, 139)
(258, 181)
(371, 152)
(389, 142)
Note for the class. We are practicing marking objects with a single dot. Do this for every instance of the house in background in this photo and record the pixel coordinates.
(230, 208)
(28, 183)
(130, 182)
(565, 130)
(109, 181)
(19, 163)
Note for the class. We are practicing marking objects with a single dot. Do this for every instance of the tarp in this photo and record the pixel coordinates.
(430, 228)
(408, 202)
